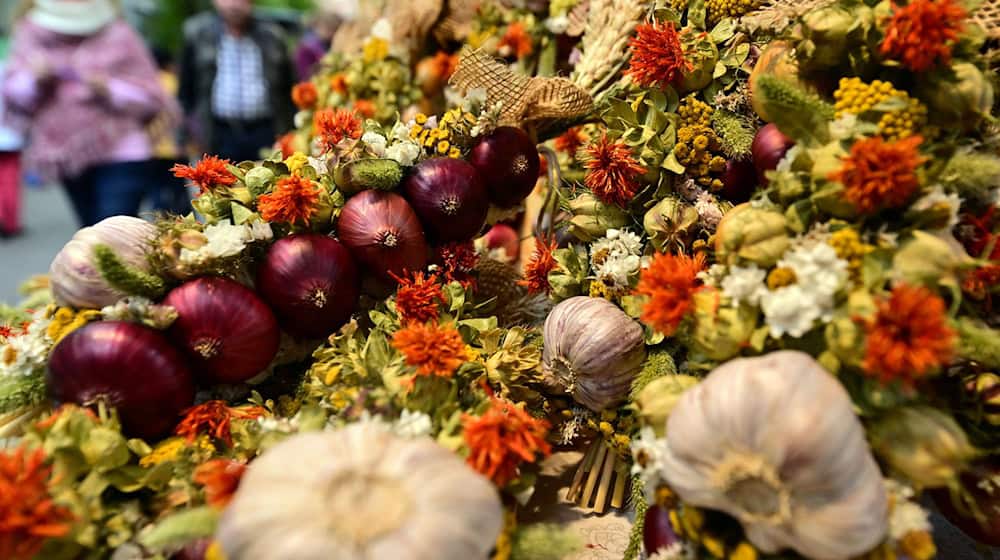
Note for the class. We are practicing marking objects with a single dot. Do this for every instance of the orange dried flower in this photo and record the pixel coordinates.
(879, 174)
(516, 41)
(338, 83)
(570, 141)
(214, 418)
(28, 516)
(909, 336)
(293, 201)
(304, 95)
(221, 478)
(670, 281)
(920, 34)
(365, 107)
(334, 125)
(503, 438)
(444, 65)
(536, 271)
(612, 172)
(433, 349)
(417, 298)
(457, 261)
(286, 143)
(657, 55)
(207, 174)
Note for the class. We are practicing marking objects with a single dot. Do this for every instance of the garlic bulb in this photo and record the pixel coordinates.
(592, 351)
(75, 280)
(774, 442)
(360, 493)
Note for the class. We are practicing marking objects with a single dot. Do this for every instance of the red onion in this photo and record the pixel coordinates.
(988, 503)
(739, 181)
(131, 367)
(226, 330)
(448, 197)
(768, 147)
(508, 162)
(502, 236)
(657, 532)
(382, 231)
(311, 282)
(194, 550)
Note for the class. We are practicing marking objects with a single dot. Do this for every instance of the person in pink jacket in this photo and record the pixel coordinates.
(82, 86)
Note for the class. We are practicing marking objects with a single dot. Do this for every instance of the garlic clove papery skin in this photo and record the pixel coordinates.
(592, 351)
(74, 278)
(774, 442)
(360, 493)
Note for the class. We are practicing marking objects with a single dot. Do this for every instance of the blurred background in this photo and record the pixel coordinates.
(45, 218)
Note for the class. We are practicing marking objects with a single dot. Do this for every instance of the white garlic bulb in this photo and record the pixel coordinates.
(75, 280)
(774, 442)
(360, 493)
(592, 351)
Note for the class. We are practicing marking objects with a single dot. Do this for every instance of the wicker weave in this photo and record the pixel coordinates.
(988, 17)
(522, 99)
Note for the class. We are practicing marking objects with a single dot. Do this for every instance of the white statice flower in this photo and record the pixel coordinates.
(261, 231)
(938, 198)
(817, 268)
(844, 127)
(819, 274)
(382, 29)
(616, 256)
(711, 277)
(413, 424)
(137, 309)
(26, 353)
(616, 243)
(647, 454)
(557, 25)
(789, 310)
(744, 284)
(400, 132)
(907, 517)
(225, 240)
(404, 153)
(616, 269)
(375, 142)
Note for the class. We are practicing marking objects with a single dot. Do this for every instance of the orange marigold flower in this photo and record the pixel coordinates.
(292, 201)
(570, 141)
(207, 174)
(365, 107)
(444, 65)
(516, 41)
(670, 281)
(503, 438)
(338, 83)
(433, 349)
(334, 125)
(286, 143)
(536, 271)
(657, 55)
(909, 337)
(879, 174)
(612, 172)
(417, 298)
(304, 95)
(28, 516)
(221, 478)
(214, 418)
(920, 34)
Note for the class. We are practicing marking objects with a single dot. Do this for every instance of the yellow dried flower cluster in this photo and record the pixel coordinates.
(689, 522)
(614, 430)
(849, 247)
(66, 320)
(166, 451)
(780, 277)
(719, 9)
(443, 139)
(375, 49)
(699, 151)
(694, 112)
(679, 5)
(855, 97)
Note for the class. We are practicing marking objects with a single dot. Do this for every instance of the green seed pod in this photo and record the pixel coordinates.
(364, 174)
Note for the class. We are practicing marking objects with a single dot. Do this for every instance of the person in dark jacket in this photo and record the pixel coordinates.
(236, 77)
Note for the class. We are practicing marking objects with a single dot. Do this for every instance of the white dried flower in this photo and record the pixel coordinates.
(710, 277)
(617, 269)
(26, 353)
(382, 29)
(557, 25)
(744, 284)
(907, 517)
(413, 424)
(301, 118)
(375, 142)
(261, 231)
(789, 310)
(938, 198)
(404, 153)
(709, 210)
(819, 274)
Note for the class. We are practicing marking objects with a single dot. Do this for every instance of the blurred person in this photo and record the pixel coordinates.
(169, 193)
(235, 81)
(11, 143)
(82, 86)
(315, 42)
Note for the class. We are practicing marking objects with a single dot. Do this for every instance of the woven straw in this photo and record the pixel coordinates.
(988, 17)
(605, 43)
(522, 99)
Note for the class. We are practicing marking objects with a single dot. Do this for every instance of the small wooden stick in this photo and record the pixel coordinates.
(621, 470)
(608, 472)
(595, 473)
(581, 469)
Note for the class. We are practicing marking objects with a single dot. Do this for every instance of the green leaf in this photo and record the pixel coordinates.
(737, 55)
(241, 214)
(759, 338)
(105, 449)
(720, 70)
(455, 294)
(696, 14)
(723, 31)
(480, 325)
(182, 527)
(670, 163)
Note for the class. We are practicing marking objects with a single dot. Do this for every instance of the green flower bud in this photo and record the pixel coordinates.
(923, 444)
(213, 207)
(363, 174)
(670, 223)
(242, 195)
(701, 52)
(657, 400)
(258, 180)
(320, 220)
(929, 260)
(959, 98)
(721, 332)
(592, 218)
(751, 234)
(828, 32)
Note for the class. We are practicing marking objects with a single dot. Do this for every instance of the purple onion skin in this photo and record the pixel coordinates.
(194, 550)
(508, 162)
(768, 147)
(657, 532)
(227, 332)
(131, 367)
(311, 282)
(382, 232)
(739, 181)
(449, 198)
